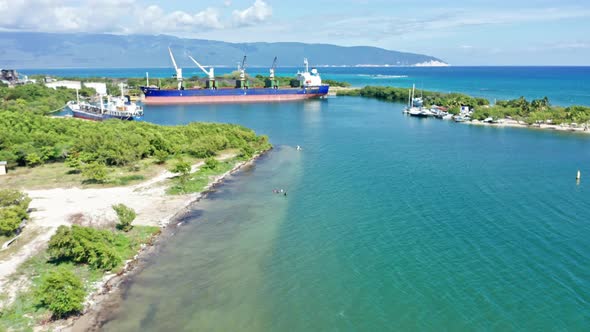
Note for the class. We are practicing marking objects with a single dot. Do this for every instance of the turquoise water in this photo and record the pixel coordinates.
(563, 85)
(391, 223)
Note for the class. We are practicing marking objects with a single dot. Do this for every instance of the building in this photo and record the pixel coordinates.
(101, 88)
(11, 77)
(2, 167)
(76, 85)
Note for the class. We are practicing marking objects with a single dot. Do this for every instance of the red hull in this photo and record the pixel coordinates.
(227, 99)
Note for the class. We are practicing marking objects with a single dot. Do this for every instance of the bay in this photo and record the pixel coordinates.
(391, 223)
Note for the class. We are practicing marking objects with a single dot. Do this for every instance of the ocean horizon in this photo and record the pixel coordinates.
(563, 85)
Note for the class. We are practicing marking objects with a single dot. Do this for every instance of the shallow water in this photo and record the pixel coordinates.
(390, 223)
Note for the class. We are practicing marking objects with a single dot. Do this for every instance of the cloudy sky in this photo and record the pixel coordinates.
(461, 32)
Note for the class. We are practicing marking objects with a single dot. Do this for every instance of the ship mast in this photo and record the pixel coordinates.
(178, 70)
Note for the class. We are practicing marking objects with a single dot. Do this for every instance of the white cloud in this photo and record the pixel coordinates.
(112, 16)
(258, 12)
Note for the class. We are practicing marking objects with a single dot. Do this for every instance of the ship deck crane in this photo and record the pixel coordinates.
(271, 82)
(210, 74)
(178, 70)
(242, 83)
(272, 69)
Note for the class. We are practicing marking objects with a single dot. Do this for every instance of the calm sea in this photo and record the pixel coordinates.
(563, 85)
(391, 223)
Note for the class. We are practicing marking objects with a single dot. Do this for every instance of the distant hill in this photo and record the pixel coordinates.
(50, 50)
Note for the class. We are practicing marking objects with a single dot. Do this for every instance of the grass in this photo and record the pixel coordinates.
(58, 175)
(25, 312)
(198, 180)
(27, 235)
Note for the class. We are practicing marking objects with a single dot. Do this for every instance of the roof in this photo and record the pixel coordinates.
(2, 163)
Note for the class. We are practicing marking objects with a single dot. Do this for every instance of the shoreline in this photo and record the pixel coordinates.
(156, 208)
(521, 124)
(93, 318)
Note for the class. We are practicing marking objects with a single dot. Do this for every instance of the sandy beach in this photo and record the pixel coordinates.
(52, 208)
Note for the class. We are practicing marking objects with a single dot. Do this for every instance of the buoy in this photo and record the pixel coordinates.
(578, 176)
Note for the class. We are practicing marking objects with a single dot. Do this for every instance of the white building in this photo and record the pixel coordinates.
(65, 84)
(101, 88)
(2, 167)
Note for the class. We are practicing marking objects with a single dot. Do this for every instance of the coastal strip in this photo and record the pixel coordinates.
(103, 298)
(520, 112)
(154, 206)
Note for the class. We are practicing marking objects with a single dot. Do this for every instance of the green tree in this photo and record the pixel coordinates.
(62, 292)
(95, 172)
(126, 216)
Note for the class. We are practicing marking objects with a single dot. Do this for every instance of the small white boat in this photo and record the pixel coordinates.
(417, 112)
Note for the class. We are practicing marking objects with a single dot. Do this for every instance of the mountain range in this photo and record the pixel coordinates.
(62, 50)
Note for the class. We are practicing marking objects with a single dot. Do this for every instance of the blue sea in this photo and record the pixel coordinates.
(563, 85)
(391, 223)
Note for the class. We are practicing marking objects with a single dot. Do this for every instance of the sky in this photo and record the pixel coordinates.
(461, 32)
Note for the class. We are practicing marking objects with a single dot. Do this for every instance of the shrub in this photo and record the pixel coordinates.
(13, 209)
(84, 245)
(73, 162)
(95, 172)
(33, 159)
(126, 216)
(161, 156)
(62, 292)
(247, 151)
(10, 219)
(211, 163)
(183, 168)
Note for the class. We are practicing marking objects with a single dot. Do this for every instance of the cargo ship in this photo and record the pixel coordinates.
(121, 108)
(308, 85)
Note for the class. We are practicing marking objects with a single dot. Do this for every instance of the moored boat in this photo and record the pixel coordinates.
(121, 108)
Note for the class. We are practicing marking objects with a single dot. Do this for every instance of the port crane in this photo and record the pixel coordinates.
(210, 74)
(178, 70)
